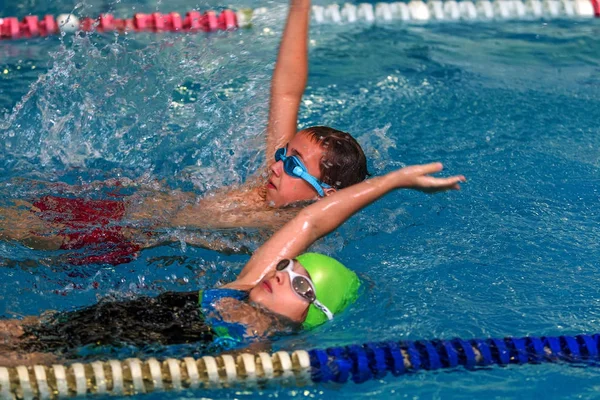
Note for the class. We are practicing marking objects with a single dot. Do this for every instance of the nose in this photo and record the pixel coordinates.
(277, 168)
(279, 277)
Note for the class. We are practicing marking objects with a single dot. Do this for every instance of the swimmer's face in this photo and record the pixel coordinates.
(283, 189)
(275, 293)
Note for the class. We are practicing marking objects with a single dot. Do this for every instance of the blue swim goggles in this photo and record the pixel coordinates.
(294, 167)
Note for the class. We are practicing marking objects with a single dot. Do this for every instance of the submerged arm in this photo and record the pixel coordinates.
(327, 214)
(289, 77)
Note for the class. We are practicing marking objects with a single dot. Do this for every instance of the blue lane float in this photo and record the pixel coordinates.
(356, 363)
(374, 360)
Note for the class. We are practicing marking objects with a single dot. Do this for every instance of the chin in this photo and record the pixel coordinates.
(255, 294)
(275, 203)
(271, 201)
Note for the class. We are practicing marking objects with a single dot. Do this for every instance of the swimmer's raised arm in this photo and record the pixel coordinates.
(289, 78)
(322, 217)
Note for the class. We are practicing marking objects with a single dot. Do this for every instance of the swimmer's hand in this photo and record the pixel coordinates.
(419, 177)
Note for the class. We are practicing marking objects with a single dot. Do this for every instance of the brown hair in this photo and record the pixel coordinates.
(343, 163)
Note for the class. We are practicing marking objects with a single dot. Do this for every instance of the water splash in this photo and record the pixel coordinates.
(151, 105)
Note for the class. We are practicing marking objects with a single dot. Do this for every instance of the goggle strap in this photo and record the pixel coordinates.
(324, 309)
(310, 180)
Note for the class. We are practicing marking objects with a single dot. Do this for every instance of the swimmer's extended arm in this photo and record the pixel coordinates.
(289, 78)
(322, 217)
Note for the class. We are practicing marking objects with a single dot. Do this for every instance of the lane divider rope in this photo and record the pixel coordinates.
(357, 363)
(415, 11)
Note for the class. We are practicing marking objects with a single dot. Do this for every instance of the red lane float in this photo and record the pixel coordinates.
(596, 5)
(194, 21)
(415, 10)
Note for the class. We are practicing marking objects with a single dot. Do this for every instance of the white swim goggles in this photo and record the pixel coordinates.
(302, 286)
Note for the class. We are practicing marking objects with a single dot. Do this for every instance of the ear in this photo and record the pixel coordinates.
(329, 191)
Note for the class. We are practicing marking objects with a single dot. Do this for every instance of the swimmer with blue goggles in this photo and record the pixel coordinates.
(294, 167)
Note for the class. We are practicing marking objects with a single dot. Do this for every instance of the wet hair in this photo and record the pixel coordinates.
(344, 163)
(170, 318)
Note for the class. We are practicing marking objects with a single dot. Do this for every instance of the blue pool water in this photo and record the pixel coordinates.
(513, 106)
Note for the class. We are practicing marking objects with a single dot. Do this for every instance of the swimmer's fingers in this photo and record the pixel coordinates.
(430, 184)
(419, 177)
(423, 169)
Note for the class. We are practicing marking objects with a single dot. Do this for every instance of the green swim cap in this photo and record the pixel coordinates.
(336, 286)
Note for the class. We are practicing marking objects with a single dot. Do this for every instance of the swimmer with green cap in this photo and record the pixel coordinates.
(278, 289)
(311, 289)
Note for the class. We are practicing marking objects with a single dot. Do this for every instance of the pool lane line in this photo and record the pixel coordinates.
(596, 5)
(415, 11)
(356, 363)
(194, 21)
